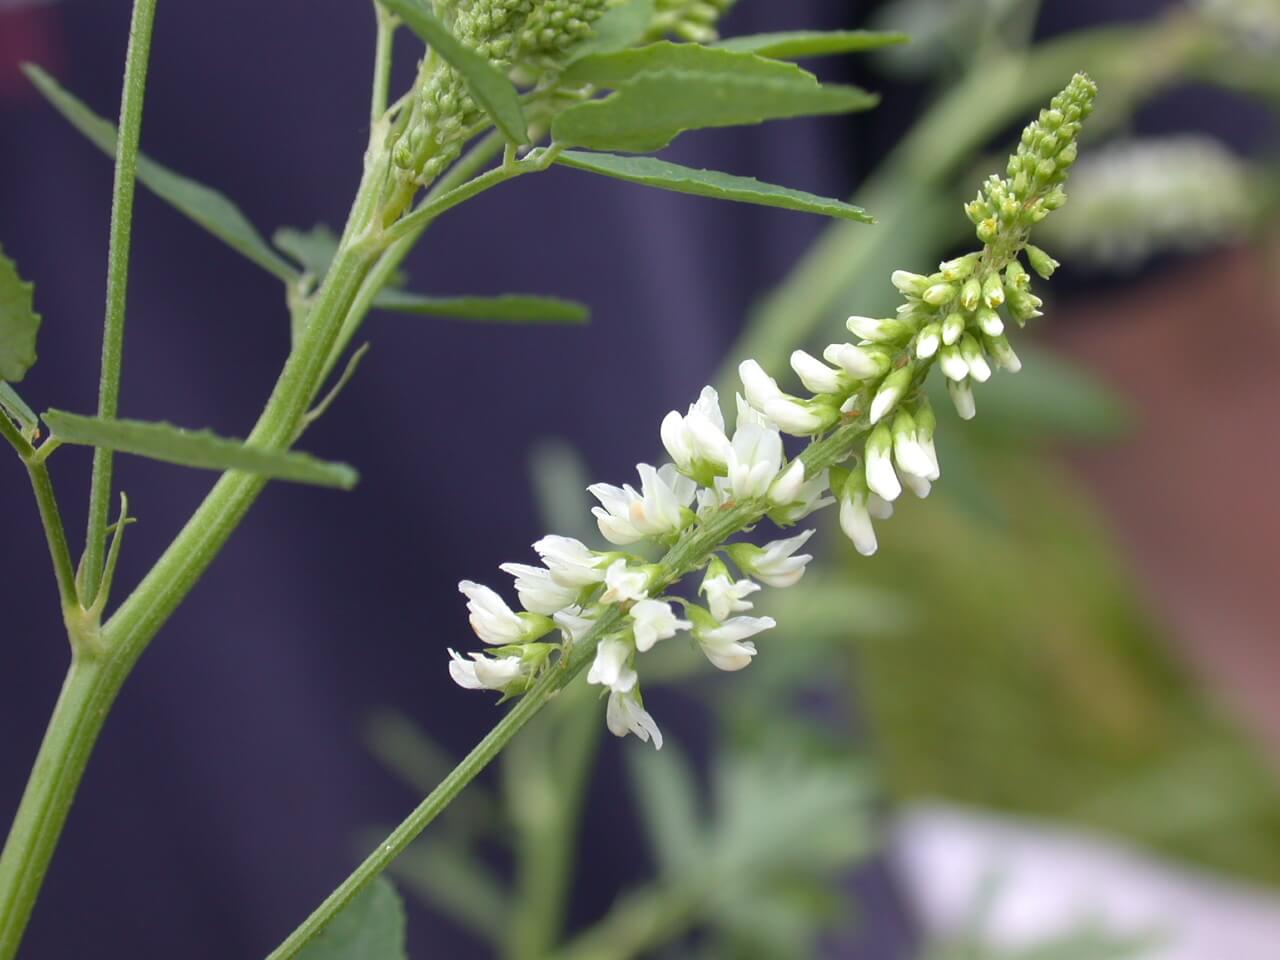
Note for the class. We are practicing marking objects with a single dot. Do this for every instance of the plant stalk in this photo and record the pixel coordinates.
(135, 85)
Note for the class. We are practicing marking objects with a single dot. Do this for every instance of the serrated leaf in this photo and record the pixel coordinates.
(664, 89)
(709, 183)
(370, 927)
(492, 90)
(19, 322)
(792, 44)
(618, 28)
(207, 207)
(197, 448)
(509, 308)
(314, 249)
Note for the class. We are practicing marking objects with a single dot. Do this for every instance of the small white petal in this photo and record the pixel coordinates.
(920, 486)
(609, 669)
(623, 584)
(881, 477)
(654, 620)
(855, 521)
(962, 398)
(886, 399)
(786, 489)
(953, 363)
(816, 376)
(624, 715)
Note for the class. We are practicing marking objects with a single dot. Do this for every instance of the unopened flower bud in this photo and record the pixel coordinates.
(974, 359)
(1040, 261)
(952, 328)
(993, 291)
(961, 392)
(971, 293)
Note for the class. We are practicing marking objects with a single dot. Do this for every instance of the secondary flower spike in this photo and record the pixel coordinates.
(872, 432)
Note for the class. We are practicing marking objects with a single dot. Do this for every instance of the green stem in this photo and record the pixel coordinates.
(87, 693)
(99, 669)
(50, 515)
(54, 532)
(439, 798)
(382, 55)
(135, 85)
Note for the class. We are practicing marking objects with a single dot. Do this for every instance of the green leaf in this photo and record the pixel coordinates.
(19, 323)
(617, 29)
(206, 207)
(509, 308)
(314, 249)
(709, 183)
(17, 409)
(491, 89)
(370, 927)
(664, 89)
(791, 44)
(196, 448)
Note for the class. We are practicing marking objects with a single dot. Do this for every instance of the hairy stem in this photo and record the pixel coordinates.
(99, 668)
(387, 23)
(87, 694)
(135, 85)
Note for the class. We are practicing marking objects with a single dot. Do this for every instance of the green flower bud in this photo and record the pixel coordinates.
(971, 293)
(992, 291)
(939, 293)
(1040, 261)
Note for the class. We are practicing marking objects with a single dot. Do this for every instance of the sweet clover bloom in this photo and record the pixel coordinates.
(873, 434)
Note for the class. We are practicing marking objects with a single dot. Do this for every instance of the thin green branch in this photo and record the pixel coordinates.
(135, 85)
(382, 57)
(510, 169)
(50, 516)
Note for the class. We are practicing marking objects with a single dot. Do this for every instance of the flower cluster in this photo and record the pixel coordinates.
(872, 435)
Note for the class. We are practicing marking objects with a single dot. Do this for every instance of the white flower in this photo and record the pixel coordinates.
(609, 669)
(810, 497)
(974, 358)
(816, 376)
(879, 507)
(538, 592)
(492, 620)
(860, 362)
(907, 451)
(573, 626)
(654, 621)
(928, 341)
(791, 415)
(726, 596)
(952, 362)
(723, 644)
(962, 398)
(626, 516)
(484, 673)
(876, 331)
(754, 460)
(571, 563)
(773, 563)
(790, 482)
(625, 714)
(855, 521)
(698, 435)
(881, 477)
(890, 392)
(920, 486)
(623, 584)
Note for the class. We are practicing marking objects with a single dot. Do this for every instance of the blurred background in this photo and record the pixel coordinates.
(1040, 723)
